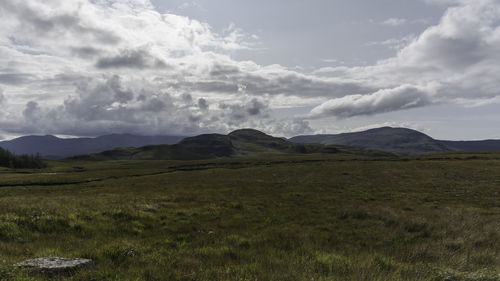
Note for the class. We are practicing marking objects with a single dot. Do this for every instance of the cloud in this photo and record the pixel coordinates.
(202, 104)
(31, 111)
(131, 59)
(402, 97)
(444, 2)
(124, 105)
(86, 67)
(15, 78)
(394, 21)
(395, 43)
(2, 97)
(90, 67)
(190, 5)
(241, 111)
(454, 60)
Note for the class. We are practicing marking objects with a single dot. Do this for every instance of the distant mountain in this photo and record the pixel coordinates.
(483, 145)
(239, 143)
(51, 147)
(246, 142)
(399, 140)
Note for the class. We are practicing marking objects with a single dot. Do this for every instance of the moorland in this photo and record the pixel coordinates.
(271, 216)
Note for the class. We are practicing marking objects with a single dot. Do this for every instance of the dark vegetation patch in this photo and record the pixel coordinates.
(10, 160)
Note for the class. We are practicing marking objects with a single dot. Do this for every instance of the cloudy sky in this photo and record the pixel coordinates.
(287, 67)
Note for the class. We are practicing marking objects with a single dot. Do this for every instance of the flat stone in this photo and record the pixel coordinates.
(56, 265)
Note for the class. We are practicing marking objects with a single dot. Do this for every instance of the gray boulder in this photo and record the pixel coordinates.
(55, 265)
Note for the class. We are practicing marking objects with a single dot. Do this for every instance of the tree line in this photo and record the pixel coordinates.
(10, 160)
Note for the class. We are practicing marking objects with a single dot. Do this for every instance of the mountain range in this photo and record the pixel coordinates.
(51, 147)
(240, 142)
(399, 140)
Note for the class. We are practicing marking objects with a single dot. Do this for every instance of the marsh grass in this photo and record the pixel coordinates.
(275, 218)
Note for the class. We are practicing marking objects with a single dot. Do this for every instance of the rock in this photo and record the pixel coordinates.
(207, 232)
(130, 253)
(55, 265)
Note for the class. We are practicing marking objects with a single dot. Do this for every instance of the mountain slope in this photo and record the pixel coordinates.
(52, 147)
(397, 140)
(484, 145)
(240, 143)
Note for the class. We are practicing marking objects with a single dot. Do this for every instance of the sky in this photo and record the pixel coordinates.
(286, 67)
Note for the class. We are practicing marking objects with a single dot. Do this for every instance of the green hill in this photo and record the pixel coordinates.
(240, 143)
(397, 140)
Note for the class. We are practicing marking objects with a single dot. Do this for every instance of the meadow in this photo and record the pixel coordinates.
(272, 217)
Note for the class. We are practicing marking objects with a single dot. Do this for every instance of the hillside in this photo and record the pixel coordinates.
(240, 143)
(398, 140)
(52, 147)
(483, 145)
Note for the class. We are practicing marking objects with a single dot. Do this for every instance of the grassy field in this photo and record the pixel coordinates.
(310, 217)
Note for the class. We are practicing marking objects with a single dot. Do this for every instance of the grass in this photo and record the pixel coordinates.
(315, 217)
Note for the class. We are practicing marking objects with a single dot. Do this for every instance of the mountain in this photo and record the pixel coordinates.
(399, 140)
(482, 145)
(51, 147)
(240, 143)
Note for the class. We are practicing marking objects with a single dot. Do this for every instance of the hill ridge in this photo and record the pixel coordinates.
(247, 141)
(52, 147)
(398, 140)
(239, 143)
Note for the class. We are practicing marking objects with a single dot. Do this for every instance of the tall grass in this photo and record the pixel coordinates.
(284, 218)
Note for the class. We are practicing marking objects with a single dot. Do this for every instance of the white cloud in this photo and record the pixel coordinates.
(395, 43)
(402, 97)
(86, 67)
(332, 61)
(395, 21)
(190, 5)
(90, 67)
(446, 2)
(455, 60)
